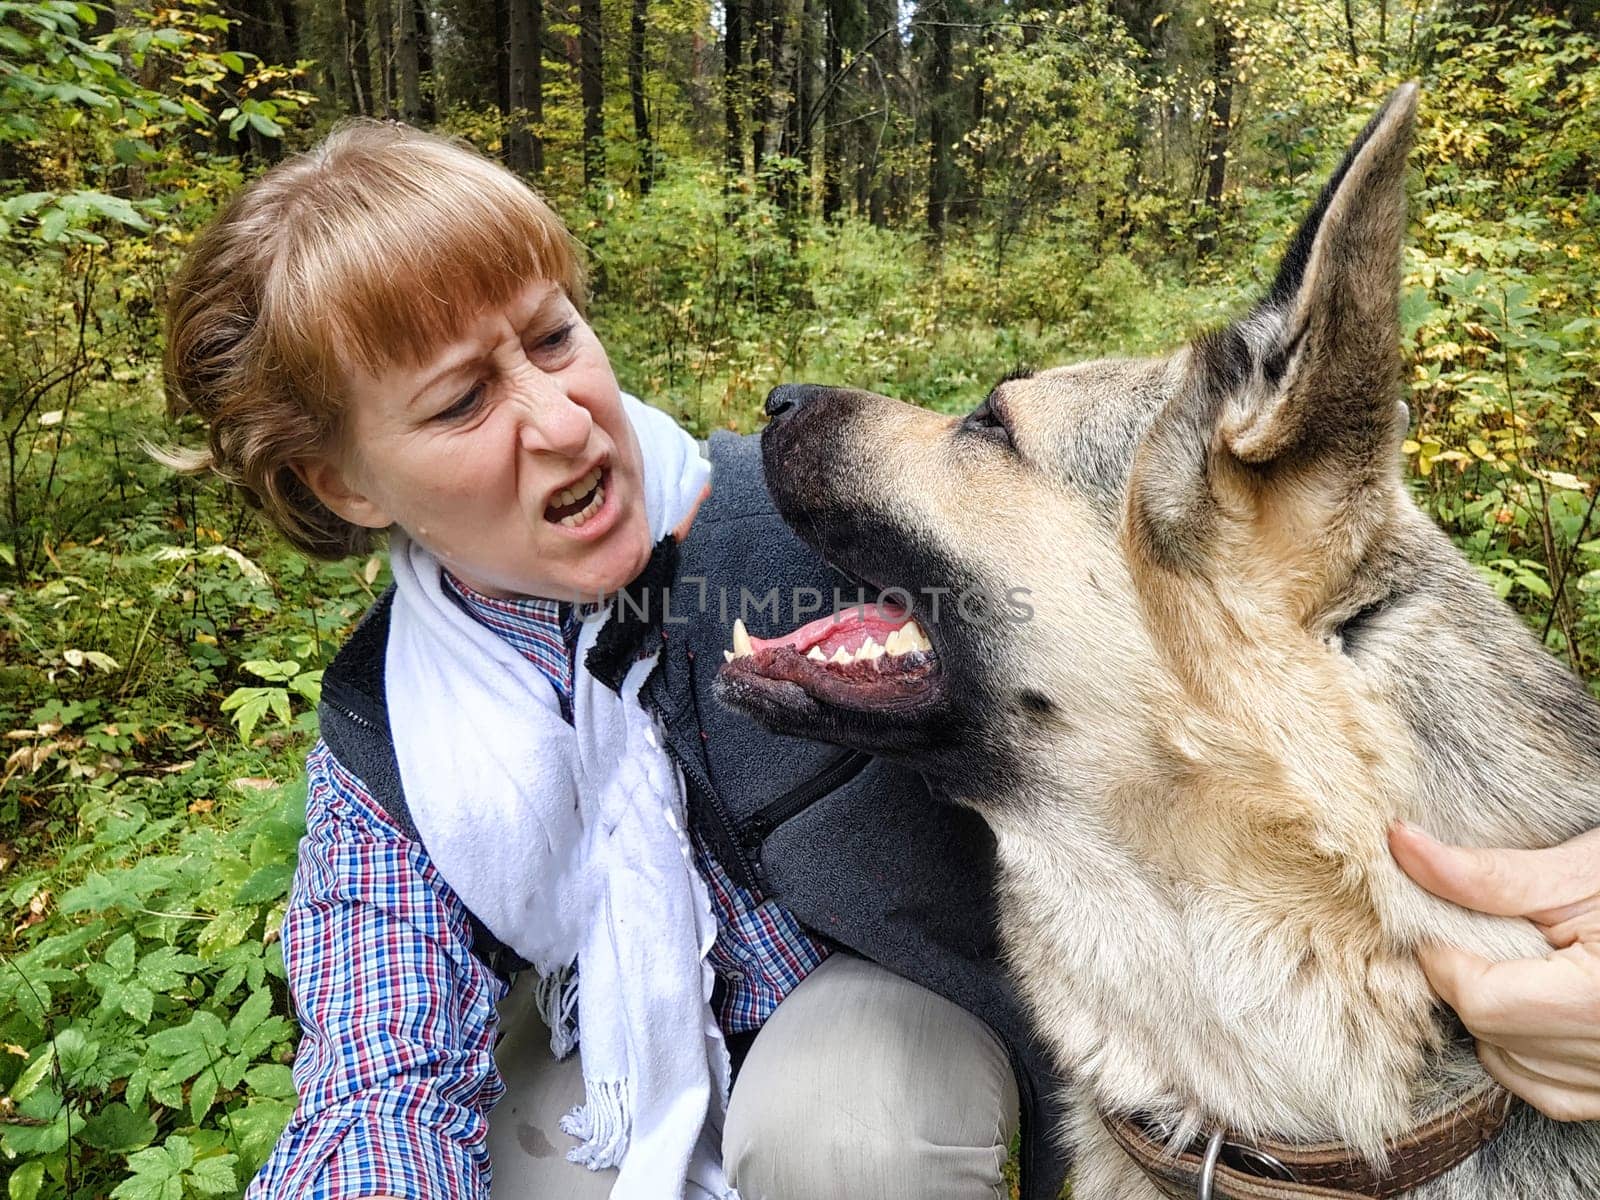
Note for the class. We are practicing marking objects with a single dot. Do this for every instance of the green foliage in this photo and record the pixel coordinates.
(160, 655)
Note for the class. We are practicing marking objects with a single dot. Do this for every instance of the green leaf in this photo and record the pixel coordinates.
(26, 1181)
(268, 883)
(118, 1129)
(157, 1173)
(249, 705)
(54, 224)
(256, 1127)
(256, 1009)
(76, 1052)
(120, 955)
(214, 1176)
(203, 1094)
(226, 929)
(114, 208)
(136, 1000)
(265, 125)
(271, 1081)
(38, 1067)
(47, 1131)
(166, 968)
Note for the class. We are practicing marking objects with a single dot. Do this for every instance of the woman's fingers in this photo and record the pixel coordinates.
(1551, 1086)
(1537, 1022)
(1552, 886)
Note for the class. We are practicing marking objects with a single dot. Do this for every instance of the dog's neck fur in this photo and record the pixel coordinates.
(1251, 839)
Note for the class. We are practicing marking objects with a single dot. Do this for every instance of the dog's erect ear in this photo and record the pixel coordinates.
(1311, 377)
(1332, 372)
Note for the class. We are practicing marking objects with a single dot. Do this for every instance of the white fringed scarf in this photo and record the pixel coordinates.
(570, 844)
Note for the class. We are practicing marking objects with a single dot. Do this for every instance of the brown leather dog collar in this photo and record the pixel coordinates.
(1265, 1169)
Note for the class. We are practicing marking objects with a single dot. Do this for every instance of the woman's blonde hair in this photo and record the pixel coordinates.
(371, 250)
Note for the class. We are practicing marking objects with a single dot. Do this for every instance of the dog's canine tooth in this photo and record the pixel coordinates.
(741, 639)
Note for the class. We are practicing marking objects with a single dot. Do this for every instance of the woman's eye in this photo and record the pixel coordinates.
(985, 422)
(556, 340)
(463, 407)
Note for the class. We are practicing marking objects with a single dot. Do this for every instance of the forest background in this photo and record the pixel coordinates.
(910, 197)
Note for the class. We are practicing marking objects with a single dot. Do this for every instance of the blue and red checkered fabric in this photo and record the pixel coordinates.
(395, 1072)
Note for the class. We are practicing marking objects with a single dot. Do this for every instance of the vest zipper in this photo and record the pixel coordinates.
(346, 708)
(743, 867)
(832, 777)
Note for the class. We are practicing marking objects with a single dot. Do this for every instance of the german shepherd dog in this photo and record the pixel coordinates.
(1198, 649)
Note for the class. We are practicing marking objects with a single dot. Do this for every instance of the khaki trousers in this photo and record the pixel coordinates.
(861, 1086)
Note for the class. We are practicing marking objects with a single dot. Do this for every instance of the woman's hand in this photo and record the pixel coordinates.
(1537, 1021)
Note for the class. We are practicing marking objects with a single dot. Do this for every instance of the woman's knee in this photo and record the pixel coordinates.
(862, 1084)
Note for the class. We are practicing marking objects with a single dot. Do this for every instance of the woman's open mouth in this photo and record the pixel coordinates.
(872, 657)
(572, 506)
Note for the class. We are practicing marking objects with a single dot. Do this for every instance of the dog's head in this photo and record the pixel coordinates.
(1095, 538)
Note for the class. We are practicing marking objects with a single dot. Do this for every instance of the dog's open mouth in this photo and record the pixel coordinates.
(872, 657)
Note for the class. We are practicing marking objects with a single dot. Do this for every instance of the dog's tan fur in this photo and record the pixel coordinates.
(1249, 653)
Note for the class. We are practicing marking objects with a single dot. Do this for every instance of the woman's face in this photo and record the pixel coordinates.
(507, 454)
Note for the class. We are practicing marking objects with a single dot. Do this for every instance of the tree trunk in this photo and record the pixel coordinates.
(429, 110)
(939, 124)
(733, 87)
(833, 138)
(357, 56)
(641, 114)
(883, 18)
(383, 68)
(971, 206)
(806, 85)
(591, 78)
(785, 49)
(1350, 35)
(536, 88)
(406, 62)
(523, 56)
(502, 57)
(760, 78)
(1218, 119)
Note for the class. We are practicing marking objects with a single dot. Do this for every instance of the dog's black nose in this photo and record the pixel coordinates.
(790, 396)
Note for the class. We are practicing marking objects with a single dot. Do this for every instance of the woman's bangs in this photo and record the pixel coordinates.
(412, 283)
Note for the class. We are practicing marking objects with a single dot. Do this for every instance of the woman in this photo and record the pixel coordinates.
(387, 334)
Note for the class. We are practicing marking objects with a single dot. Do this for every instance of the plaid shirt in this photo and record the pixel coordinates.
(395, 1072)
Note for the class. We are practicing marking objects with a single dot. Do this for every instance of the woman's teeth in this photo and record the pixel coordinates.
(587, 511)
(587, 492)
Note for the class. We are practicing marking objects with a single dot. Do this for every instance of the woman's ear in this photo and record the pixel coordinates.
(331, 484)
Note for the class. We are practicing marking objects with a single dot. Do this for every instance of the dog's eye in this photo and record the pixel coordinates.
(984, 421)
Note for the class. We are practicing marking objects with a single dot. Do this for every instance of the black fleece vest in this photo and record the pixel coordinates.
(854, 846)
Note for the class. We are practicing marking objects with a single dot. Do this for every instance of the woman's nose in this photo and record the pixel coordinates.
(551, 422)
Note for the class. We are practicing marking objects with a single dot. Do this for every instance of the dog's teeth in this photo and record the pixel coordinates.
(841, 656)
(919, 640)
(741, 639)
(728, 656)
(895, 643)
(815, 654)
(869, 650)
